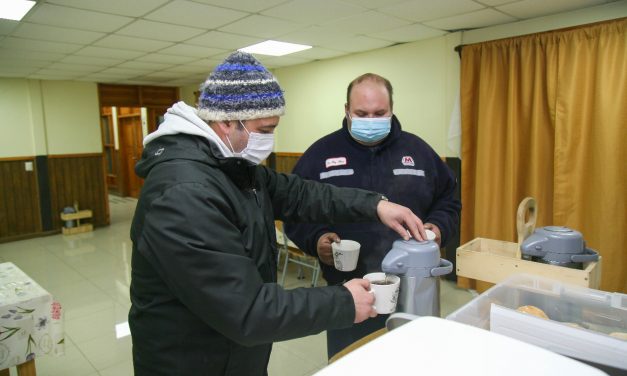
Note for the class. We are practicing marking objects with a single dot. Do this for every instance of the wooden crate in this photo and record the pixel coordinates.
(81, 214)
(86, 227)
(80, 227)
(494, 260)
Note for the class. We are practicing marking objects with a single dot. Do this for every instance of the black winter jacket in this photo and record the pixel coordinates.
(403, 167)
(203, 291)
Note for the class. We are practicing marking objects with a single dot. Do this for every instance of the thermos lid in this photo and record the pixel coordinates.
(425, 254)
(561, 239)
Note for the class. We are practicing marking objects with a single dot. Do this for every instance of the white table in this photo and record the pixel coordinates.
(434, 346)
(31, 322)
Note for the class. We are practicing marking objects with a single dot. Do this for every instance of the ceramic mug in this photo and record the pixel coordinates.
(345, 255)
(385, 289)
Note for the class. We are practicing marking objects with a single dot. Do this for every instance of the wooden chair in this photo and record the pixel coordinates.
(294, 255)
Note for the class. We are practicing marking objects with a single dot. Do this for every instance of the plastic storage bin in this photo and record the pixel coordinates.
(579, 325)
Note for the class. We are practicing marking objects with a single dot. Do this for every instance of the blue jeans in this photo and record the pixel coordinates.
(338, 339)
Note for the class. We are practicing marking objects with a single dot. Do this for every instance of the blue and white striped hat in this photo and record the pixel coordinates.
(240, 88)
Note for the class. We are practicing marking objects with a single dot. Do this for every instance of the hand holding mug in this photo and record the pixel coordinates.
(385, 288)
(325, 253)
(363, 299)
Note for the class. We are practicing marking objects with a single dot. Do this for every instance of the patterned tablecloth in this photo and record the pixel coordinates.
(31, 322)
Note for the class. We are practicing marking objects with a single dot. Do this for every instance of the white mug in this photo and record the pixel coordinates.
(345, 255)
(385, 290)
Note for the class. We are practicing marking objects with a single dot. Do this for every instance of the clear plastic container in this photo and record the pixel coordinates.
(583, 323)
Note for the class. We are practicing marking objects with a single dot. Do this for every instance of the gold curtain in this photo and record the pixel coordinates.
(545, 115)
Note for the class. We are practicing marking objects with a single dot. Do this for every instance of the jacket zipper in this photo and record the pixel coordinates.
(256, 197)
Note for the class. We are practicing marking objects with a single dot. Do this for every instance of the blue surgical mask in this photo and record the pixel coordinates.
(370, 129)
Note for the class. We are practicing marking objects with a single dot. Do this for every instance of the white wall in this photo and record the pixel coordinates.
(315, 93)
(187, 94)
(72, 117)
(48, 117)
(16, 124)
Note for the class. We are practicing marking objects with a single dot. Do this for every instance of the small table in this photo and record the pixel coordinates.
(31, 322)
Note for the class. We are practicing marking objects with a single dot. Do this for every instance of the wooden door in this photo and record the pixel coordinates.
(131, 147)
(155, 117)
(108, 146)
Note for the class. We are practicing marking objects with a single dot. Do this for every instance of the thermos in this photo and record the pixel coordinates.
(558, 245)
(419, 265)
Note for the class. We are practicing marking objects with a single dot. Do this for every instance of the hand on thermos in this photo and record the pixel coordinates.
(364, 300)
(325, 253)
(401, 219)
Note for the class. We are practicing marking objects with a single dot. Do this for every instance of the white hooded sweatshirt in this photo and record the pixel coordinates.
(182, 118)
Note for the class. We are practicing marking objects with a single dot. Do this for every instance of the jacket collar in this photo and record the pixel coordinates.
(199, 149)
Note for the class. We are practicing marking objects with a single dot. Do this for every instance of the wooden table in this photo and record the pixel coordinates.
(357, 344)
(30, 322)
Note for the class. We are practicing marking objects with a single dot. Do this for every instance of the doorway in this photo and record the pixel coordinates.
(128, 114)
(123, 132)
(131, 147)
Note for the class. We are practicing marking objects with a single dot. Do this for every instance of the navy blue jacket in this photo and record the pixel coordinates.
(403, 167)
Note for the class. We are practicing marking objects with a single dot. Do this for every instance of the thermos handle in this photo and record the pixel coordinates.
(589, 255)
(445, 267)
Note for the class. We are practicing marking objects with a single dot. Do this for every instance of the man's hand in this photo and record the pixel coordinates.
(325, 252)
(401, 220)
(436, 231)
(363, 299)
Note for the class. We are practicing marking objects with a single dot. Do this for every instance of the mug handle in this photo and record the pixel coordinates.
(375, 299)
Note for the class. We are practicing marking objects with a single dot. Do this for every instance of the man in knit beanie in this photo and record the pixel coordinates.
(203, 290)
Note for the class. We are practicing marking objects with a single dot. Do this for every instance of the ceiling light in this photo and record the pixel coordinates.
(15, 9)
(274, 48)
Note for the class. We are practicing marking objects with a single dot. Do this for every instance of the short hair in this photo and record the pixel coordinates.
(370, 77)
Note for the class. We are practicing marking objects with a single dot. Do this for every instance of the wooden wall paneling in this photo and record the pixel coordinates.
(137, 96)
(118, 95)
(285, 162)
(4, 218)
(79, 178)
(158, 96)
(19, 202)
(105, 193)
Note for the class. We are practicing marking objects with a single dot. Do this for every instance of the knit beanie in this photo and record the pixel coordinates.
(240, 89)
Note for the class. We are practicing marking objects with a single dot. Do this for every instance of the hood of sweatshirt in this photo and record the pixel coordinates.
(183, 119)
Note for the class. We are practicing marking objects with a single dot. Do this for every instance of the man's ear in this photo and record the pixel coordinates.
(225, 127)
(345, 107)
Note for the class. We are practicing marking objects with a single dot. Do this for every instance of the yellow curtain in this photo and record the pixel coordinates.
(545, 115)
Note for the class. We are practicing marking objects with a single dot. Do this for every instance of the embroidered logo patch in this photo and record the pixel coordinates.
(332, 162)
(408, 161)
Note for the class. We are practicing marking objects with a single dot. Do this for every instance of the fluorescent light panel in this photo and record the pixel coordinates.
(15, 9)
(274, 48)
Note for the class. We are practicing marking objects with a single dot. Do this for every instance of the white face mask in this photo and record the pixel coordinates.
(258, 148)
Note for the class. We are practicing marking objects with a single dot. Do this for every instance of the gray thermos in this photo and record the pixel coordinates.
(419, 265)
(558, 245)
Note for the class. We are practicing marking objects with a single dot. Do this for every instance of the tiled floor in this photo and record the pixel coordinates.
(90, 275)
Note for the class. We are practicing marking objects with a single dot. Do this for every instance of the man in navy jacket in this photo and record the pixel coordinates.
(372, 152)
